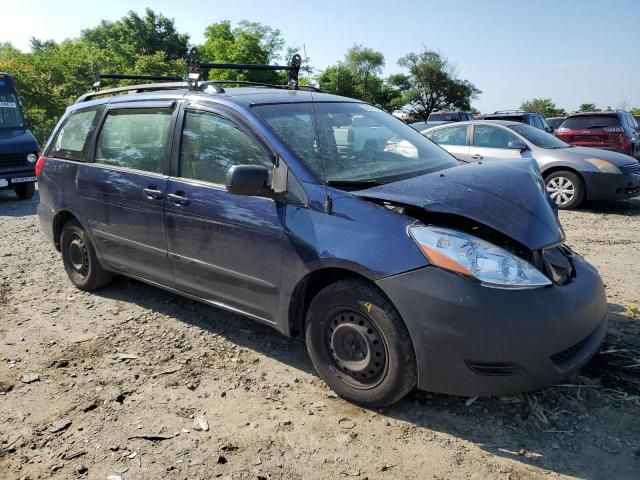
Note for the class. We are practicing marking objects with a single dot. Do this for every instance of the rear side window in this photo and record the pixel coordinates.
(591, 121)
(71, 140)
(211, 145)
(488, 136)
(449, 136)
(135, 138)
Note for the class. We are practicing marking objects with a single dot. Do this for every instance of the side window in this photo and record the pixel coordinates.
(71, 140)
(488, 136)
(449, 135)
(211, 145)
(134, 138)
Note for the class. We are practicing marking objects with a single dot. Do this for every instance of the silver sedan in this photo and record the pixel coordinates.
(572, 174)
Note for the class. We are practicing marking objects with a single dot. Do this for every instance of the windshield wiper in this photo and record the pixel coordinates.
(356, 184)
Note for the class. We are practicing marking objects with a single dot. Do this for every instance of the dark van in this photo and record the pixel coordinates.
(398, 266)
(18, 147)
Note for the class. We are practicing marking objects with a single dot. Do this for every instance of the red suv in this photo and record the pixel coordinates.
(617, 131)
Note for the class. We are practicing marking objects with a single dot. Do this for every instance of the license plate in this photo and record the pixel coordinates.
(23, 179)
(3, 182)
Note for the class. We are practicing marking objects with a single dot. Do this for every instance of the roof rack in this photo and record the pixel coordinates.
(191, 81)
(508, 111)
(196, 68)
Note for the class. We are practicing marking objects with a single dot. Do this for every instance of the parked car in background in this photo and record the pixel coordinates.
(530, 118)
(18, 147)
(616, 131)
(439, 118)
(555, 122)
(571, 174)
(240, 198)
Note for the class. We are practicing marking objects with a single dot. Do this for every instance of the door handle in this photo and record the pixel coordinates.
(477, 156)
(152, 193)
(179, 199)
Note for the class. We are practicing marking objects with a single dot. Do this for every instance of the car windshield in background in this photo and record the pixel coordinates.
(354, 144)
(538, 137)
(10, 115)
(585, 122)
(443, 117)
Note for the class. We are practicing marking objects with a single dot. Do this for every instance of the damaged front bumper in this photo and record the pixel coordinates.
(473, 340)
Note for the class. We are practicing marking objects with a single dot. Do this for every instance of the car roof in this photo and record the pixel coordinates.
(509, 114)
(504, 123)
(240, 95)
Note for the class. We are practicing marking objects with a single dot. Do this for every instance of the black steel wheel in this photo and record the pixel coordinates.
(359, 344)
(79, 258)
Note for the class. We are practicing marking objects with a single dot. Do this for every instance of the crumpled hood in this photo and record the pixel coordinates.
(17, 141)
(505, 196)
(618, 159)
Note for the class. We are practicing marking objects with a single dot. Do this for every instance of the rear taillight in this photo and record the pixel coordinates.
(40, 165)
(562, 129)
(614, 129)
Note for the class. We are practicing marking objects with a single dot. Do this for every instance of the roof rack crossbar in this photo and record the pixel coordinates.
(98, 77)
(261, 84)
(196, 68)
(147, 87)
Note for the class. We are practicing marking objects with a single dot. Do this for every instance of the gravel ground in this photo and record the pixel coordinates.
(135, 383)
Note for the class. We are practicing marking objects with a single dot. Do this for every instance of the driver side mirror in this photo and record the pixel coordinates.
(517, 145)
(251, 180)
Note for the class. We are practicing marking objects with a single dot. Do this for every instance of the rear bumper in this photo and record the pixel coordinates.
(9, 178)
(607, 186)
(473, 340)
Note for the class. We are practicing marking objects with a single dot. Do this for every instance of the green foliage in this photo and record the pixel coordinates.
(432, 84)
(359, 76)
(249, 42)
(543, 106)
(589, 107)
(635, 111)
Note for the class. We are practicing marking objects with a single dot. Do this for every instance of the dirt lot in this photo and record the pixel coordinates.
(133, 382)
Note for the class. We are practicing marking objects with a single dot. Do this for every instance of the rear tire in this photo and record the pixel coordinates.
(80, 260)
(359, 344)
(25, 191)
(565, 188)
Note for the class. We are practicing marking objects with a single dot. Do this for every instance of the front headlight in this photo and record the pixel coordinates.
(603, 165)
(31, 158)
(470, 256)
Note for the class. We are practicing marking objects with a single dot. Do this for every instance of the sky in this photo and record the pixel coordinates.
(573, 52)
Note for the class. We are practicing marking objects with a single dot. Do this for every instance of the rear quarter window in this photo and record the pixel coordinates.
(71, 140)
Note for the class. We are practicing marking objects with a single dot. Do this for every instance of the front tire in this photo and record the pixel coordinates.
(359, 345)
(80, 260)
(25, 191)
(565, 188)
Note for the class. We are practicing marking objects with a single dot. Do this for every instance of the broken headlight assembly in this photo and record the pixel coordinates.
(473, 257)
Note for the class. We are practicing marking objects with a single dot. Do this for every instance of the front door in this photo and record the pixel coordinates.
(490, 142)
(224, 248)
(124, 189)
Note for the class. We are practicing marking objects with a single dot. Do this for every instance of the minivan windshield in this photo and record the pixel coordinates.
(10, 115)
(538, 137)
(353, 143)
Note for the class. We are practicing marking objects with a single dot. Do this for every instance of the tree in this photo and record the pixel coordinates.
(359, 76)
(543, 106)
(635, 111)
(432, 84)
(133, 35)
(588, 107)
(249, 42)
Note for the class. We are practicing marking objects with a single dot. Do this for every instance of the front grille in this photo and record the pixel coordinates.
(12, 159)
(633, 168)
(564, 357)
(495, 369)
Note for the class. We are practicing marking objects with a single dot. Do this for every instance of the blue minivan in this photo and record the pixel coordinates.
(398, 266)
(18, 147)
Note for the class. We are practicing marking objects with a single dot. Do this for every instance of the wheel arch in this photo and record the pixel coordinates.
(59, 220)
(310, 285)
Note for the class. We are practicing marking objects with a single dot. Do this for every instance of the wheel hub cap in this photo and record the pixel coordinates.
(78, 256)
(561, 190)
